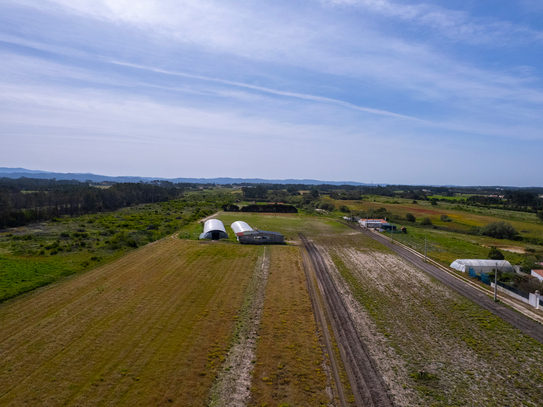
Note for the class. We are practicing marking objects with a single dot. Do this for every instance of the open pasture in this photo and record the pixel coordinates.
(151, 328)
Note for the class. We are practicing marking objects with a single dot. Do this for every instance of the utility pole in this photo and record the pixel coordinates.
(496, 283)
(425, 249)
(391, 234)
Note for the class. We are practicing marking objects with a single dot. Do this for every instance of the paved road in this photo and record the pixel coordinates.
(519, 321)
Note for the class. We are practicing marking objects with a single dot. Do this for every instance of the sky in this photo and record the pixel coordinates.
(383, 91)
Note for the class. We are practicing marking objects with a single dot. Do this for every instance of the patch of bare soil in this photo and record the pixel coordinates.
(233, 383)
(412, 322)
(388, 361)
(513, 249)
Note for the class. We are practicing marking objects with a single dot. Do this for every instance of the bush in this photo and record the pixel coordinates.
(499, 230)
(495, 254)
(410, 217)
(327, 206)
(445, 218)
(426, 221)
(344, 209)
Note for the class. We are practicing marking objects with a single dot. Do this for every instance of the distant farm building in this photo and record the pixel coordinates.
(214, 230)
(379, 224)
(246, 234)
(482, 266)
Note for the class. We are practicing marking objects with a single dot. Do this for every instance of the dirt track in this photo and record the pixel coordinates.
(367, 385)
(519, 321)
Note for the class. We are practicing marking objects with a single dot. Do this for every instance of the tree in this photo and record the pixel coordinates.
(410, 217)
(495, 254)
(344, 208)
(314, 192)
(426, 221)
(445, 218)
(540, 215)
(499, 230)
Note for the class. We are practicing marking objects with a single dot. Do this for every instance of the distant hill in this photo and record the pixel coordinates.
(22, 172)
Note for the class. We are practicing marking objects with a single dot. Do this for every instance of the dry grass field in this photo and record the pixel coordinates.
(149, 329)
(291, 366)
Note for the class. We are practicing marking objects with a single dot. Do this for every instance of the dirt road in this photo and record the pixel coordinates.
(367, 385)
(519, 321)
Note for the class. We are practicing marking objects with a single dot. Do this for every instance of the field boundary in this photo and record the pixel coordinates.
(321, 320)
(233, 382)
(367, 384)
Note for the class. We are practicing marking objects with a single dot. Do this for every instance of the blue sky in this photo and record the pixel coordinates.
(394, 91)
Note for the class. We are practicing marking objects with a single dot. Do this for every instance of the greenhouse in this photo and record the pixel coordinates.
(482, 266)
(214, 230)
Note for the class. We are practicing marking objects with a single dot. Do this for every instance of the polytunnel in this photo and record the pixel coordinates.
(214, 230)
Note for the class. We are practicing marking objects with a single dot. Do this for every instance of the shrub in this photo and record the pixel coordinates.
(426, 221)
(344, 208)
(445, 218)
(327, 206)
(410, 217)
(495, 254)
(499, 230)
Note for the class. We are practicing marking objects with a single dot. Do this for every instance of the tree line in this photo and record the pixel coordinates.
(24, 200)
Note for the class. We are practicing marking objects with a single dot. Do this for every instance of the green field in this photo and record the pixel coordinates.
(38, 254)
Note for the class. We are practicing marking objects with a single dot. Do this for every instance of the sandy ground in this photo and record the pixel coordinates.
(233, 384)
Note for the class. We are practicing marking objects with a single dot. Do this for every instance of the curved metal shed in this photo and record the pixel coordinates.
(214, 229)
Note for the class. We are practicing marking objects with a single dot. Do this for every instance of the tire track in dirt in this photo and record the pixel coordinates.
(518, 320)
(367, 385)
(233, 383)
(322, 323)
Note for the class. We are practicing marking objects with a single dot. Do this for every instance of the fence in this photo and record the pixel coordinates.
(506, 289)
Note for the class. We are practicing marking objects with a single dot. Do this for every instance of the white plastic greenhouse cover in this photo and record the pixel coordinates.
(240, 227)
(463, 265)
(214, 224)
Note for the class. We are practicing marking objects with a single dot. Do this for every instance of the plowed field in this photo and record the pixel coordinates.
(149, 329)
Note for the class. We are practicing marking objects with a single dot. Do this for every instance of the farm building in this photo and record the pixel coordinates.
(214, 230)
(380, 224)
(246, 234)
(537, 274)
(482, 266)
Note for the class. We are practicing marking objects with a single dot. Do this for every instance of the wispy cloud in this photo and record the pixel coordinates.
(302, 77)
(456, 25)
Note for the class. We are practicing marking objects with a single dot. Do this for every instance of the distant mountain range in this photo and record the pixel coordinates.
(23, 172)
